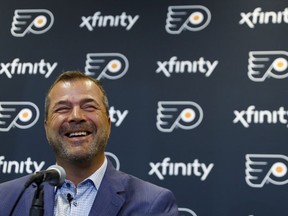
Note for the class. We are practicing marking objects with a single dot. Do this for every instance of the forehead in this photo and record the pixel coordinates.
(74, 89)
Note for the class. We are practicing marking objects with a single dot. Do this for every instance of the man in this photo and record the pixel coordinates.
(77, 126)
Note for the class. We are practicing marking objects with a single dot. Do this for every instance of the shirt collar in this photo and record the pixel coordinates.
(96, 177)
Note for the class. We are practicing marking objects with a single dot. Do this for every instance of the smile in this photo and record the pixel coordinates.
(78, 134)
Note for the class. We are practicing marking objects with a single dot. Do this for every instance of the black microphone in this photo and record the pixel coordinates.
(54, 175)
(69, 198)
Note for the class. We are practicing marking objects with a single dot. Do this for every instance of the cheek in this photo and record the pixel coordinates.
(52, 125)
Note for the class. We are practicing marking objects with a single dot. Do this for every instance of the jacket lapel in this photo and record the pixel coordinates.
(110, 195)
(49, 199)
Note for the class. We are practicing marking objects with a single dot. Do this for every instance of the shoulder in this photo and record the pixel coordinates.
(150, 191)
(134, 184)
(13, 185)
(9, 192)
(143, 196)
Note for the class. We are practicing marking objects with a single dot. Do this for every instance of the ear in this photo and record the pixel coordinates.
(45, 126)
(109, 126)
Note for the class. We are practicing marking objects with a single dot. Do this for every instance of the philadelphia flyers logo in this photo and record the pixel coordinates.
(21, 115)
(262, 169)
(35, 21)
(106, 65)
(187, 17)
(178, 114)
(266, 64)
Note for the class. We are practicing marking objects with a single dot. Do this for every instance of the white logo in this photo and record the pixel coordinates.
(187, 17)
(168, 168)
(266, 168)
(246, 117)
(98, 20)
(22, 115)
(178, 114)
(114, 159)
(106, 65)
(260, 17)
(176, 66)
(265, 64)
(17, 68)
(21, 167)
(35, 21)
(116, 116)
(186, 212)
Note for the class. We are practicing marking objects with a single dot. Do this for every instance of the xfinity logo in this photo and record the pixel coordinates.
(98, 20)
(17, 68)
(168, 168)
(186, 66)
(20, 167)
(251, 115)
(116, 116)
(260, 17)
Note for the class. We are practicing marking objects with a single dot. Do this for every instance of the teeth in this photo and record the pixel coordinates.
(77, 134)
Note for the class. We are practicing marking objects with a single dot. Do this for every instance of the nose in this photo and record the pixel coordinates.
(76, 115)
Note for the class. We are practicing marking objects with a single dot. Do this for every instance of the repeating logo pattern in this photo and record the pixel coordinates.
(266, 168)
(20, 167)
(101, 21)
(253, 116)
(168, 168)
(186, 212)
(186, 66)
(263, 17)
(178, 114)
(35, 21)
(18, 114)
(265, 64)
(114, 159)
(187, 17)
(261, 169)
(106, 65)
(21, 68)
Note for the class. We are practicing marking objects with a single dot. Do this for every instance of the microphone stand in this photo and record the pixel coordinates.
(37, 207)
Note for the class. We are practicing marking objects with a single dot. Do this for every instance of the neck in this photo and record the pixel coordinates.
(77, 171)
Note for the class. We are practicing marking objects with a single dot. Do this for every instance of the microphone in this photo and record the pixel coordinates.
(54, 175)
(69, 198)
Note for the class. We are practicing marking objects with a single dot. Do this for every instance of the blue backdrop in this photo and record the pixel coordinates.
(198, 93)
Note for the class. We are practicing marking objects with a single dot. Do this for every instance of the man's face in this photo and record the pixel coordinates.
(77, 126)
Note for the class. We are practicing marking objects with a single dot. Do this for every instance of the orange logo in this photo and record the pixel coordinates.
(35, 21)
(22, 115)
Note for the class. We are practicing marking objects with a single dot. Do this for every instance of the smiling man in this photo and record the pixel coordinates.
(77, 126)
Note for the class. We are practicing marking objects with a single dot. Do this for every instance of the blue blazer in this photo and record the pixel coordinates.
(119, 194)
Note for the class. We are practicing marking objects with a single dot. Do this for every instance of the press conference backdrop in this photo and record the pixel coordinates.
(198, 93)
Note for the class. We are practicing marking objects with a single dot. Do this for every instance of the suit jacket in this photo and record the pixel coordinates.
(119, 194)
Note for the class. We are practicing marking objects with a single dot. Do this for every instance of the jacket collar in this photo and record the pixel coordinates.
(109, 199)
(110, 196)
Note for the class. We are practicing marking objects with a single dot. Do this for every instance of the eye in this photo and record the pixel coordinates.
(62, 109)
(89, 107)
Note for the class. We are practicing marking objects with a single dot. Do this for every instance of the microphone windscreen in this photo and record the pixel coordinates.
(62, 175)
